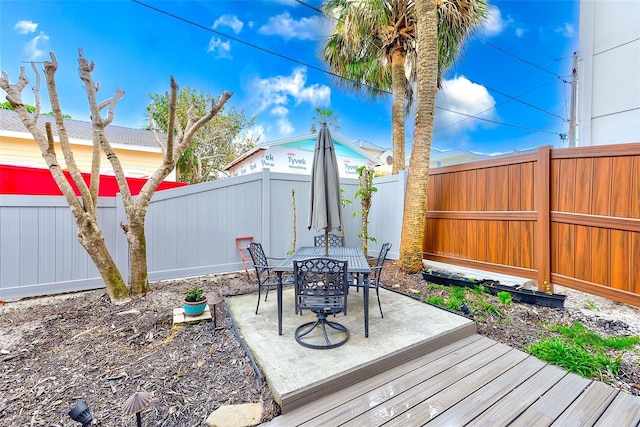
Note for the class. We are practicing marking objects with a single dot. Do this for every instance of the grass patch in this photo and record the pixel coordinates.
(435, 301)
(590, 305)
(582, 351)
(574, 358)
(465, 299)
(505, 298)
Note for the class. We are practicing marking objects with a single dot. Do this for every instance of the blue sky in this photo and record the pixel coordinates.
(513, 72)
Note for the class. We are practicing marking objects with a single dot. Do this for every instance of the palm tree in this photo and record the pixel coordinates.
(371, 45)
(442, 26)
(325, 115)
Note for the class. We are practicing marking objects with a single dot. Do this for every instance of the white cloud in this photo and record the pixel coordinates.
(277, 94)
(230, 21)
(277, 91)
(37, 46)
(219, 48)
(567, 30)
(493, 24)
(256, 133)
(279, 111)
(520, 31)
(461, 95)
(285, 26)
(25, 27)
(285, 128)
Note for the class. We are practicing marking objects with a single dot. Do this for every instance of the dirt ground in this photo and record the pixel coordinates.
(55, 351)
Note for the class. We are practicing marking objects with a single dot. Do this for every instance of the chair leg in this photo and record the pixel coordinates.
(379, 305)
(321, 320)
(258, 306)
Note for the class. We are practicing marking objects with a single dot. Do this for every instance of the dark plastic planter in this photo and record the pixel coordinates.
(450, 279)
(521, 295)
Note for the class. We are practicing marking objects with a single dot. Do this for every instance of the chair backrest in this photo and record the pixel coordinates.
(381, 257)
(321, 284)
(334, 240)
(260, 261)
(383, 254)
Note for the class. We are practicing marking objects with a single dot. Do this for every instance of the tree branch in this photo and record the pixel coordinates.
(172, 120)
(99, 137)
(45, 142)
(50, 68)
(36, 91)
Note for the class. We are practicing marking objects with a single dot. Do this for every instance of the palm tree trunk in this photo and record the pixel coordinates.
(398, 83)
(415, 204)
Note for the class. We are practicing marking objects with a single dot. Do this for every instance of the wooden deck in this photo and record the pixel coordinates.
(472, 382)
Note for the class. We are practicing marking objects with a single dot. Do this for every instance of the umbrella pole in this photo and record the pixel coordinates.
(326, 242)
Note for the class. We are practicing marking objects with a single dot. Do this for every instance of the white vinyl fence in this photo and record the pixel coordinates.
(190, 230)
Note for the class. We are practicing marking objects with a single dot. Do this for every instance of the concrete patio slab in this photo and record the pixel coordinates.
(297, 374)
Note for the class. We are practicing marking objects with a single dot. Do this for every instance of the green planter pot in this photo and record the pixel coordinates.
(194, 308)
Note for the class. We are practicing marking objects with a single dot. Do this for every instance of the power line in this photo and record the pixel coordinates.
(519, 58)
(496, 122)
(255, 46)
(322, 70)
(524, 102)
(492, 108)
(310, 7)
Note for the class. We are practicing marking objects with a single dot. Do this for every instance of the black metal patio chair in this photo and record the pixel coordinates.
(266, 277)
(334, 240)
(373, 281)
(321, 286)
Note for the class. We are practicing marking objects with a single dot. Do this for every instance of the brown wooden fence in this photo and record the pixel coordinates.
(559, 216)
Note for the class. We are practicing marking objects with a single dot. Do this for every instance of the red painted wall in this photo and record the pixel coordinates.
(35, 181)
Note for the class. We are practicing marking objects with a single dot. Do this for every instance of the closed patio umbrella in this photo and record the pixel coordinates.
(326, 209)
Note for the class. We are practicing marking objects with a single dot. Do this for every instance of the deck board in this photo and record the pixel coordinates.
(545, 410)
(501, 413)
(409, 378)
(438, 404)
(469, 408)
(355, 391)
(588, 407)
(472, 382)
(407, 398)
(624, 410)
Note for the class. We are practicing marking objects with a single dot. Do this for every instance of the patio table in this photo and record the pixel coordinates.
(357, 264)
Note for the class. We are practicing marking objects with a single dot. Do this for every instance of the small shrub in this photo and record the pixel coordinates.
(505, 298)
(590, 305)
(573, 358)
(492, 309)
(435, 301)
(454, 304)
(458, 292)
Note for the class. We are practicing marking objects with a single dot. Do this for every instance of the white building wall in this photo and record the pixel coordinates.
(609, 72)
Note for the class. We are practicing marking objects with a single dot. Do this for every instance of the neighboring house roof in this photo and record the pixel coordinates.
(76, 129)
(336, 138)
(453, 156)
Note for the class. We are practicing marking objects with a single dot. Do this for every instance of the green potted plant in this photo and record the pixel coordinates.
(194, 302)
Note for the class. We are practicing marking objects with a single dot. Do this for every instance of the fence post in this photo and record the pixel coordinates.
(265, 208)
(542, 260)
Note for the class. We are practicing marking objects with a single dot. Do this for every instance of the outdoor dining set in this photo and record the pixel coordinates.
(321, 276)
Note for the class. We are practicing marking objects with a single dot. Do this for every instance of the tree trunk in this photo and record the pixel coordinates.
(415, 204)
(398, 83)
(92, 240)
(139, 281)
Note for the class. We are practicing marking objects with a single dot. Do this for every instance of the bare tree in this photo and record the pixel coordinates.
(84, 209)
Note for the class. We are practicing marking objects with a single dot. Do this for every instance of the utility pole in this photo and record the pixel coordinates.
(574, 90)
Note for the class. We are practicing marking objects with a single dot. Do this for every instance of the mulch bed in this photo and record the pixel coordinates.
(58, 350)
